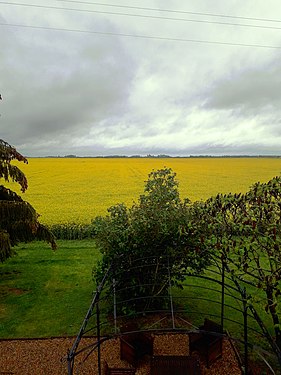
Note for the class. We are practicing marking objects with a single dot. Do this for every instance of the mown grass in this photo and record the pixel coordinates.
(45, 293)
(202, 298)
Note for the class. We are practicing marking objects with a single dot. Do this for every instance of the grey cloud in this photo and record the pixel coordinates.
(204, 149)
(71, 93)
(65, 90)
(218, 149)
(250, 91)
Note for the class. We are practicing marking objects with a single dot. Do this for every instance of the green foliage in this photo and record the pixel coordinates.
(145, 244)
(9, 171)
(18, 219)
(72, 231)
(245, 230)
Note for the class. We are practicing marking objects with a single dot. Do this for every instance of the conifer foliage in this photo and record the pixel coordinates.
(18, 219)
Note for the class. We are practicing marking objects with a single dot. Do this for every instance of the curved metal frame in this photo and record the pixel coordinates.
(244, 309)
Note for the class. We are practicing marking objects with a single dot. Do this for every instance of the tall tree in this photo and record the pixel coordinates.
(145, 244)
(18, 219)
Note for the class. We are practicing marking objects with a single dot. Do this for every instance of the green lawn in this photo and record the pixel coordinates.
(201, 298)
(45, 293)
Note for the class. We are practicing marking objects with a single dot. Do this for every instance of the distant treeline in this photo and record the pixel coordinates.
(161, 156)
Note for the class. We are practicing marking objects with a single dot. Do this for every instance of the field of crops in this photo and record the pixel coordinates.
(76, 190)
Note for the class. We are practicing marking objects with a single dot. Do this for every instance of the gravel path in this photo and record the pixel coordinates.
(48, 356)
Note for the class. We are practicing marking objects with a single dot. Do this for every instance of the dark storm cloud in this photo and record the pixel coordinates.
(65, 89)
(253, 90)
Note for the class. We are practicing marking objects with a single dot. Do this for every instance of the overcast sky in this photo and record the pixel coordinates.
(69, 92)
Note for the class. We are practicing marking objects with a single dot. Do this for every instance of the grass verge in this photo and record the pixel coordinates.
(45, 293)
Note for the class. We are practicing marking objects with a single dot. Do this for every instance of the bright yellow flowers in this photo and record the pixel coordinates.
(76, 190)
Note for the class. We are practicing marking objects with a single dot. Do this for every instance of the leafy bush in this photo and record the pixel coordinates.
(145, 246)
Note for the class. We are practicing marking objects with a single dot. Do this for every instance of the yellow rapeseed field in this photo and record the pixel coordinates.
(76, 190)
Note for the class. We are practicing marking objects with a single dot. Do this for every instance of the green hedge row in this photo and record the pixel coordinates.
(72, 231)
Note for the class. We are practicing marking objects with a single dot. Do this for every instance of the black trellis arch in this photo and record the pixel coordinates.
(98, 323)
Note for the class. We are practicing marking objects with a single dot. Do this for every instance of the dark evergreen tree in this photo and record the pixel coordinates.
(18, 219)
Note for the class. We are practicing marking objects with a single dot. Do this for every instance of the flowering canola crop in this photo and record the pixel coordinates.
(66, 190)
